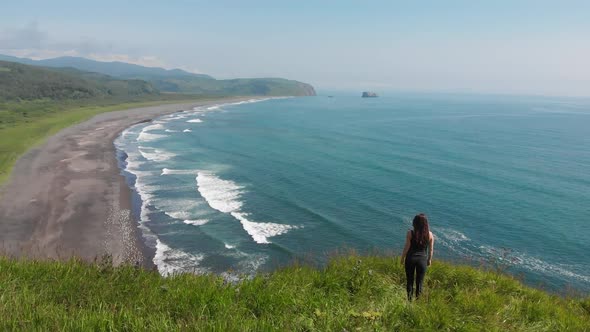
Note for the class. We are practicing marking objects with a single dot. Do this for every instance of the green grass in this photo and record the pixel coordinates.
(352, 293)
(28, 123)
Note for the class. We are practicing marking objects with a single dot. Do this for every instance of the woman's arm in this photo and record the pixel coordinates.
(407, 246)
(430, 249)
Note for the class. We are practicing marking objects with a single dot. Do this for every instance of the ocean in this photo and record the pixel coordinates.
(233, 189)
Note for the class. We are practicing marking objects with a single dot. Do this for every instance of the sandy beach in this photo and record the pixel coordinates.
(67, 198)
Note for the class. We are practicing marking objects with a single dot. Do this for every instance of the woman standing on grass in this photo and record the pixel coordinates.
(414, 256)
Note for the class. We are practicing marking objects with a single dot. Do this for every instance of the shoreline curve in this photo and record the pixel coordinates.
(67, 197)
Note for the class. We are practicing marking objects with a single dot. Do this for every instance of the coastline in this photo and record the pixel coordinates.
(68, 197)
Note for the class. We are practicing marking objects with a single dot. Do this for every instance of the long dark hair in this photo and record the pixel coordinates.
(421, 229)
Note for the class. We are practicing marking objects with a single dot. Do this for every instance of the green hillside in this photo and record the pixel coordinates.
(24, 82)
(235, 87)
(24, 124)
(115, 68)
(178, 81)
(36, 102)
(352, 293)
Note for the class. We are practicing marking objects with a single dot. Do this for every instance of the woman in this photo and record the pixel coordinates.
(414, 256)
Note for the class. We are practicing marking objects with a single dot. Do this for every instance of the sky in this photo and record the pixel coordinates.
(509, 47)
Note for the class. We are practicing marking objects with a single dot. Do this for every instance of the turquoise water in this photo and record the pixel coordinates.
(238, 188)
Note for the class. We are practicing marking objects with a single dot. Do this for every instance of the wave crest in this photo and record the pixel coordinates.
(224, 196)
(170, 261)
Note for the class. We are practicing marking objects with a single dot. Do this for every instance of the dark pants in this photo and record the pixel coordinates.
(415, 267)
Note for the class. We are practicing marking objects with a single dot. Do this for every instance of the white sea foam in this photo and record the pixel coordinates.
(170, 261)
(126, 133)
(133, 164)
(253, 263)
(181, 215)
(217, 107)
(143, 187)
(224, 196)
(511, 257)
(200, 110)
(253, 100)
(156, 154)
(461, 244)
(186, 131)
(543, 267)
(174, 116)
(168, 171)
(196, 222)
(181, 208)
(171, 131)
(146, 137)
(145, 192)
(157, 126)
(261, 231)
(247, 265)
(452, 235)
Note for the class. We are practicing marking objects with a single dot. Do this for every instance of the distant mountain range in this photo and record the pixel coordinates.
(170, 80)
(25, 82)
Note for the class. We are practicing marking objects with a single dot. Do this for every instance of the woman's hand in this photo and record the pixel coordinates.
(431, 248)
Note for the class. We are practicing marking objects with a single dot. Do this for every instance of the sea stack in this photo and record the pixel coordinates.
(368, 94)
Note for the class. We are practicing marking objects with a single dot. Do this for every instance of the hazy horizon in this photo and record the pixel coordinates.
(525, 48)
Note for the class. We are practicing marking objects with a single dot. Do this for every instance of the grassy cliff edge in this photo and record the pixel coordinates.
(350, 293)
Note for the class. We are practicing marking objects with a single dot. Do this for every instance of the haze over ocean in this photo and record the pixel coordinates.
(244, 187)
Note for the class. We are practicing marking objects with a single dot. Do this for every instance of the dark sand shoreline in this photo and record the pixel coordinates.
(68, 198)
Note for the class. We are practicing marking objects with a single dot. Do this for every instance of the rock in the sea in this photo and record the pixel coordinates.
(368, 94)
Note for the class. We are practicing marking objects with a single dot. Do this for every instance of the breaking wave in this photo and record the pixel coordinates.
(465, 247)
(224, 196)
(156, 154)
(170, 261)
(147, 137)
(197, 222)
(156, 126)
(168, 171)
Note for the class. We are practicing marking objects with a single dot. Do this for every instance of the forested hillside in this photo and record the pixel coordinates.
(178, 81)
(24, 82)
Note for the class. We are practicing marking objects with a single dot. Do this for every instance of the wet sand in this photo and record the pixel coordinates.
(67, 197)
